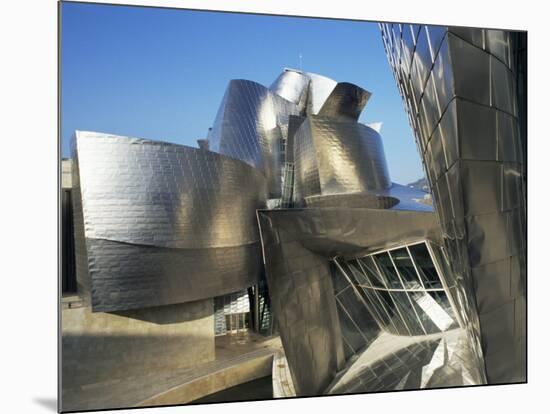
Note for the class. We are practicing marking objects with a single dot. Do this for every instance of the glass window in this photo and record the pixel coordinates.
(359, 313)
(443, 301)
(339, 281)
(398, 291)
(393, 313)
(425, 266)
(385, 265)
(374, 277)
(350, 332)
(401, 299)
(425, 318)
(357, 273)
(406, 268)
(348, 350)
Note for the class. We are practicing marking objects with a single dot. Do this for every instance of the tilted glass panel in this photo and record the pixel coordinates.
(436, 310)
(407, 312)
(371, 271)
(348, 350)
(350, 332)
(375, 307)
(385, 265)
(425, 318)
(339, 281)
(425, 266)
(357, 273)
(379, 308)
(359, 313)
(393, 313)
(442, 300)
(406, 268)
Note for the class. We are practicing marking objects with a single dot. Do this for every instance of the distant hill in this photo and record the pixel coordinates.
(420, 184)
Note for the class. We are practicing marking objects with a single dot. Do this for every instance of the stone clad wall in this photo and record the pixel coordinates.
(100, 348)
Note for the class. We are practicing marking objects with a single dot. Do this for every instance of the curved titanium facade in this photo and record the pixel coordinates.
(334, 157)
(320, 88)
(251, 124)
(159, 223)
(460, 89)
(293, 86)
(345, 102)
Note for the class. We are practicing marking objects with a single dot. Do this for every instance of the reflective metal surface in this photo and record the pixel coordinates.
(409, 363)
(288, 176)
(335, 157)
(339, 174)
(293, 86)
(251, 124)
(159, 223)
(345, 102)
(459, 87)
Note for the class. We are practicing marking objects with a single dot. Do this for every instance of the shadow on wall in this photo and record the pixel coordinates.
(120, 359)
(164, 315)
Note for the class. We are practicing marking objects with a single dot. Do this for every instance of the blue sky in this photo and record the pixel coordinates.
(161, 73)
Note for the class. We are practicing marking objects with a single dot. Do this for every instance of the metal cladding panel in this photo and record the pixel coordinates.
(347, 232)
(291, 85)
(306, 168)
(249, 126)
(302, 299)
(171, 214)
(333, 157)
(473, 156)
(297, 246)
(345, 102)
(320, 88)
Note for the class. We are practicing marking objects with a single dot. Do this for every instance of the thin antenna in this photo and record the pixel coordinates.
(300, 56)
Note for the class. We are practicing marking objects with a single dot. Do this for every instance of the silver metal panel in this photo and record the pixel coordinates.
(293, 86)
(430, 106)
(492, 284)
(435, 37)
(340, 231)
(320, 88)
(345, 102)
(502, 87)
(479, 189)
(471, 71)
(509, 145)
(304, 306)
(334, 157)
(481, 186)
(497, 43)
(478, 137)
(470, 34)
(249, 126)
(160, 222)
(448, 127)
(443, 76)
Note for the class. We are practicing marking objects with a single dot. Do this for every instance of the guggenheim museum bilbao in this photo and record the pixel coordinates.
(288, 211)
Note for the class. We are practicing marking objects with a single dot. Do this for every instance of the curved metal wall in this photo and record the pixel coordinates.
(345, 102)
(293, 86)
(459, 88)
(161, 223)
(320, 88)
(334, 157)
(250, 125)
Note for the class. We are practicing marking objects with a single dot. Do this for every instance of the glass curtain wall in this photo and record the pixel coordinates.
(403, 289)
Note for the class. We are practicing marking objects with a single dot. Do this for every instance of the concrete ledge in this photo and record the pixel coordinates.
(251, 367)
(283, 386)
